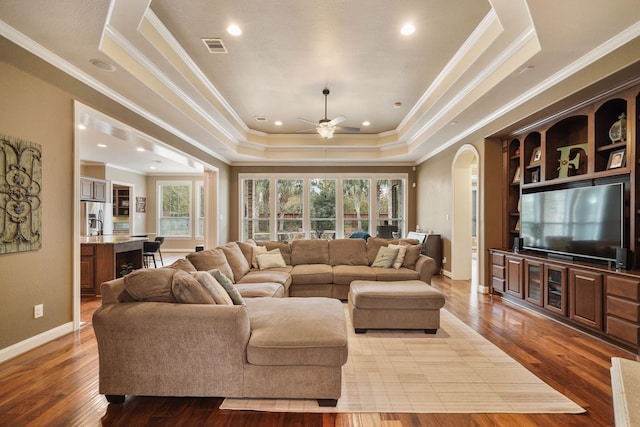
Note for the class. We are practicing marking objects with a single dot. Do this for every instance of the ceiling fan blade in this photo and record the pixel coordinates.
(348, 129)
(337, 120)
(306, 130)
(309, 121)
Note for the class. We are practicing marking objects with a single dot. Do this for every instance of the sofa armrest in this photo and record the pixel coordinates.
(163, 349)
(426, 266)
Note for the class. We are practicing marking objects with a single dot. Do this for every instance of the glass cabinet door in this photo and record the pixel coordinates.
(533, 282)
(555, 289)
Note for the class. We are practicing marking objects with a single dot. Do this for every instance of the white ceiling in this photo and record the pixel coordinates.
(469, 63)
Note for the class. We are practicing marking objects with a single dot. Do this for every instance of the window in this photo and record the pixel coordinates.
(329, 207)
(174, 208)
(289, 207)
(355, 205)
(322, 208)
(200, 208)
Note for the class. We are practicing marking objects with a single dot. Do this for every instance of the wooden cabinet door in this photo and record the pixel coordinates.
(585, 298)
(555, 289)
(533, 291)
(100, 191)
(86, 189)
(514, 276)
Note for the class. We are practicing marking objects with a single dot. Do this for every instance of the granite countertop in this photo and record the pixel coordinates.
(111, 239)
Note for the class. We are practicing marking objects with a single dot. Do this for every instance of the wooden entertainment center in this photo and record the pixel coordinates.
(594, 144)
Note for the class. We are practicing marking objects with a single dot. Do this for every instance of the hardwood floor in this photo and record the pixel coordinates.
(57, 383)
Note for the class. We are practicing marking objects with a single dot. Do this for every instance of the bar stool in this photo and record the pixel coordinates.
(149, 250)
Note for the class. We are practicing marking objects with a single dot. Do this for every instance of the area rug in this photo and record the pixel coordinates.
(454, 371)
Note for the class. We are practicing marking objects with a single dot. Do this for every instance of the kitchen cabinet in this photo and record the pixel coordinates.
(93, 190)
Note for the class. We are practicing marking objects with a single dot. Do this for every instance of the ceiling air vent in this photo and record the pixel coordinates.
(215, 45)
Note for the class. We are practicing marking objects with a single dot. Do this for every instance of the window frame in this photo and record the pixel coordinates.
(176, 183)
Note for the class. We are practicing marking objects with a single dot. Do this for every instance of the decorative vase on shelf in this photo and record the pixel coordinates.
(618, 131)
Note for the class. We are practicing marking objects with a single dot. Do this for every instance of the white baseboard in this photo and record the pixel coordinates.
(446, 273)
(35, 341)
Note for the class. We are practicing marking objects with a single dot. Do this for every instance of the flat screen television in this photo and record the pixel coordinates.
(585, 222)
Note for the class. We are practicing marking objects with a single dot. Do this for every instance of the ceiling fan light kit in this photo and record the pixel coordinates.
(325, 127)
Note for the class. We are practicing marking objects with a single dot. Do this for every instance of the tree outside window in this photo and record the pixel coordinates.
(289, 207)
(322, 208)
(355, 205)
(255, 209)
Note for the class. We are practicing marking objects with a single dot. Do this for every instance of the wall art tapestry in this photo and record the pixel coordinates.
(20, 195)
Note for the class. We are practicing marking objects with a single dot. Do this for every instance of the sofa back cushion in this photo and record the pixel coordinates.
(373, 246)
(188, 290)
(216, 290)
(236, 259)
(284, 247)
(211, 259)
(153, 284)
(348, 252)
(310, 252)
(247, 249)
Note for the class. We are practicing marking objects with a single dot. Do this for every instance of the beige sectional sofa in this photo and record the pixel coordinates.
(314, 267)
(170, 332)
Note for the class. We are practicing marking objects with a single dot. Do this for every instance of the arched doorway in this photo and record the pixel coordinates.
(464, 230)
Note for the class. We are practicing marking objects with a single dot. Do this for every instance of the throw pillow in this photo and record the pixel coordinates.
(153, 284)
(209, 259)
(236, 259)
(385, 258)
(213, 287)
(402, 251)
(411, 256)
(188, 290)
(255, 251)
(227, 284)
(272, 259)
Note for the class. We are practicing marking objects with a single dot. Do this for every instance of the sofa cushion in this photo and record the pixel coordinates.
(348, 252)
(386, 257)
(315, 251)
(345, 274)
(275, 275)
(228, 286)
(311, 274)
(297, 332)
(246, 248)
(152, 284)
(182, 264)
(272, 259)
(236, 259)
(373, 246)
(411, 256)
(402, 251)
(188, 290)
(211, 259)
(255, 251)
(285, 249)
(256, 290)
(216, 290)
(392, 275)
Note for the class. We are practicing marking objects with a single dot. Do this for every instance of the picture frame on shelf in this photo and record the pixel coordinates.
(617, 159)
(536, 157)
(535, 176)
(516, 176)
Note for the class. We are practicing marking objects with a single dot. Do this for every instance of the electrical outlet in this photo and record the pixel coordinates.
(38, 311)
(444, 260)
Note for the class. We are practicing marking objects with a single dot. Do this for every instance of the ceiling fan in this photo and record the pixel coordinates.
(326, 127)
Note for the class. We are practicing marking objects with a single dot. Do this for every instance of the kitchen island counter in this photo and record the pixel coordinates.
(102, 258)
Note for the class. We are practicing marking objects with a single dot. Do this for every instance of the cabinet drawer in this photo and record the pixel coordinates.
(497, 259)
(498, 284)
(625, 288)
(624, 309)
(497, 271)
(623, 330)
(88, 250)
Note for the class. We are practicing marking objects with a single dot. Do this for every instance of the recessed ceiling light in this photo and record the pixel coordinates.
(397, 105)
(277, 123)
(81, 126)
(234, 30)
(152, 167)
(102, 145)
(453, 123)
(366, 123)
(104, 66)
(407, 29)
(140, 149)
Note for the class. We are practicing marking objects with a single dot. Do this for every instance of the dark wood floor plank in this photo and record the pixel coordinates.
(56, 384)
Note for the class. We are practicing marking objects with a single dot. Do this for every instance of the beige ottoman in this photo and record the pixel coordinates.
(408, 304)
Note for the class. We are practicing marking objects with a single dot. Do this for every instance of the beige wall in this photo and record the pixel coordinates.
(38, 112)
(235, 214)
